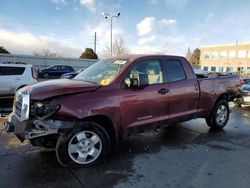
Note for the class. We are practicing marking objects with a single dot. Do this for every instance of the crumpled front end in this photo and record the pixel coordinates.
(31, 120)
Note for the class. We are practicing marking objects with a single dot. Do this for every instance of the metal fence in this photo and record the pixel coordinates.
(43, 62)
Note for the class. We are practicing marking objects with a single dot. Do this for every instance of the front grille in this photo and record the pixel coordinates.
(18, 105)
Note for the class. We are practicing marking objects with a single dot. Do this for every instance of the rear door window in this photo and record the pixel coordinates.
(63, 68)
(174, 70)
(7, 71)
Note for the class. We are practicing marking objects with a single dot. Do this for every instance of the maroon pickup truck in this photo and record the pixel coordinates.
(85, 117)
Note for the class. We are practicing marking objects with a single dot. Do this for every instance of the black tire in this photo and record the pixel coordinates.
(46, 75)
(216, 122)
(62, 147)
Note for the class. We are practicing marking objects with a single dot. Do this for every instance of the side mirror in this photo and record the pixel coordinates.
(139, 81)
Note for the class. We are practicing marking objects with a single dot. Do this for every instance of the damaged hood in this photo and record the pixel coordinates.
(52, 88)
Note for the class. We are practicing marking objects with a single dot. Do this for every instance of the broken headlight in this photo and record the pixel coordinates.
(43, 110)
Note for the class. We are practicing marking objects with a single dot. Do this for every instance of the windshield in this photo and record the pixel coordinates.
(103, 72)
(80, 70)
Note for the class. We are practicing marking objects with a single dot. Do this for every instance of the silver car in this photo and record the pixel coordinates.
(14, 76)
(245, 94)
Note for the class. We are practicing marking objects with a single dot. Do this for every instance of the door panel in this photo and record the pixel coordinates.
(53, 71)
(145, 108)
(184, 98)
(184, 94)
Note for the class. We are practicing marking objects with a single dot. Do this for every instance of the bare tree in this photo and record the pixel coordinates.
(119, 48)
(46, 53)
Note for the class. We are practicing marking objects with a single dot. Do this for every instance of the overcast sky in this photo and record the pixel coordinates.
(147, 26)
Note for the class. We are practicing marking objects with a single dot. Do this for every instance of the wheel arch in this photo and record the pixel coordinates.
(223, 96)
(107, 123)
(20, 87)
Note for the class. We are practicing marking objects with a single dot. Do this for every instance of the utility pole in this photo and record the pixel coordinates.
(95, 43)
(111, 43)
(108, 16)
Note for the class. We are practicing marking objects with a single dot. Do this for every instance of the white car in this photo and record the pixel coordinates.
(14, 76)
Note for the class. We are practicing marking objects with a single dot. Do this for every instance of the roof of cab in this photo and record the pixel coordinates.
(133, 57)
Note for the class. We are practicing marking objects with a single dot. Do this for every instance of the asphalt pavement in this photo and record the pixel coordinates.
(184, 155)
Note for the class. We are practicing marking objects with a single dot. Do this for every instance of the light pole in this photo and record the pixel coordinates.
(108, 16)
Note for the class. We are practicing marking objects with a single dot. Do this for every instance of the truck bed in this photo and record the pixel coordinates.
(215, 86)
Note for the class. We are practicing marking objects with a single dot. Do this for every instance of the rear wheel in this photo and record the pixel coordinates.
(86, 145)
(219, 116)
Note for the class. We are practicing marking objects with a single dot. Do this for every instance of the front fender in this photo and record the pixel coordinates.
(82, 106)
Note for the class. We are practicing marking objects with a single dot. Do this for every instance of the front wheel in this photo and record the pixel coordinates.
(219, 116)
(46, 75)
(86, 145)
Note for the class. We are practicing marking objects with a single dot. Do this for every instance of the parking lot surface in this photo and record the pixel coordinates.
(184, 155)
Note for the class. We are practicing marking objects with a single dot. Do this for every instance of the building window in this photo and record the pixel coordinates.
(221, 69)
(205, 68)
(206, 55)
(223, 54)
(230, 69)
(213, 69)
(248, 69)
(232, 54)
(214, 55)
(242, 54)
